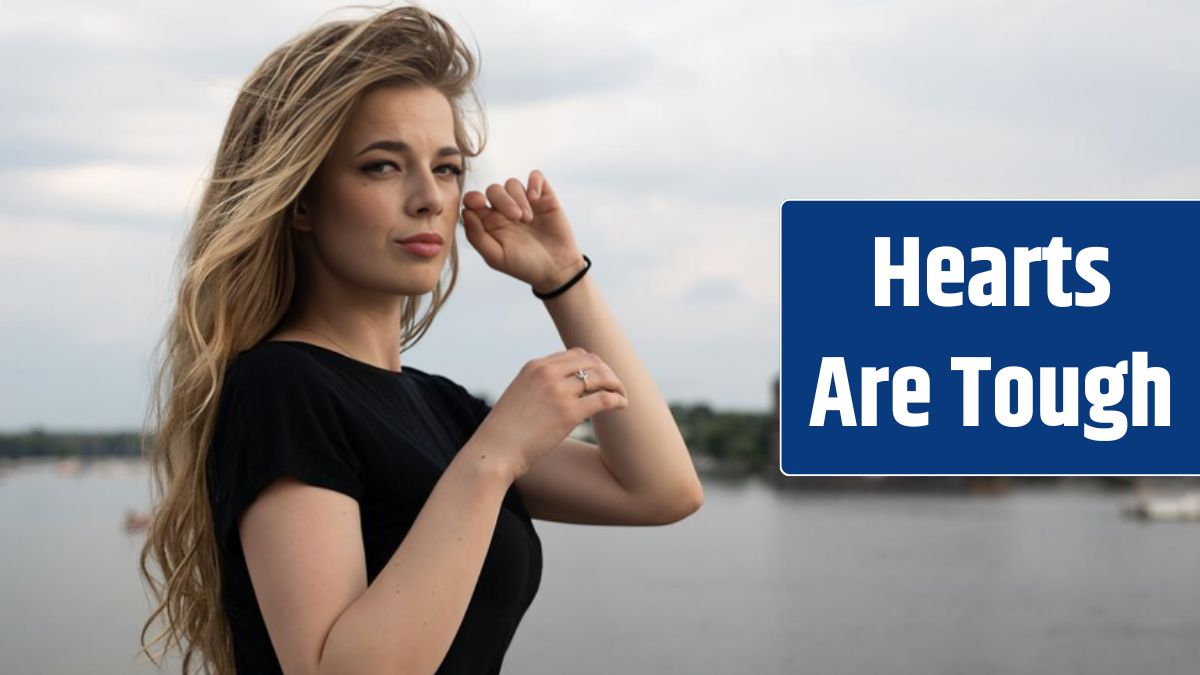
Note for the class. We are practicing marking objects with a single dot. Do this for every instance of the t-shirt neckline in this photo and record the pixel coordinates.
(343, 357)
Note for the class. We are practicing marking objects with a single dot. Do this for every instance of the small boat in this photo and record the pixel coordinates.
(1185, 507)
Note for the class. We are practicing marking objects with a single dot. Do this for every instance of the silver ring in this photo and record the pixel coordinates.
(583, 376)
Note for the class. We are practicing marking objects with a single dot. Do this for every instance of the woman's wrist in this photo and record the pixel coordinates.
(566, 276)
(487, 465)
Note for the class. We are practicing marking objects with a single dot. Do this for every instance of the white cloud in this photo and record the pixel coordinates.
(80, 24)
(673, 131)
(93, 284)
(106, 190)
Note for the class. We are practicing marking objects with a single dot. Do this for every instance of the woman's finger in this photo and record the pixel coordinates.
(535, 184)
(475, 201)
(503, 202)
(476, 204)
(600, 375)
(600, 402)
(602, 378)
(597, 383)
(517, 191)
(545, 194)
(481, 239)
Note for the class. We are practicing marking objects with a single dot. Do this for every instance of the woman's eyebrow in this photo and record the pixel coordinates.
(402, 147)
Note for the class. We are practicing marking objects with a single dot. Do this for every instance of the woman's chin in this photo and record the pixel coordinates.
(415, 287)
(418, 279)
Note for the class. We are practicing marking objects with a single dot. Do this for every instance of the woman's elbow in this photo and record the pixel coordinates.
(694, 500)
(686, 501)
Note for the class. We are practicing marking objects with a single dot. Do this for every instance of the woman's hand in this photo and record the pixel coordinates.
(523, 232)
(545, 402)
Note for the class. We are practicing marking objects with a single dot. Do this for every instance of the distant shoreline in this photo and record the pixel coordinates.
(728, 473)
(725, 447)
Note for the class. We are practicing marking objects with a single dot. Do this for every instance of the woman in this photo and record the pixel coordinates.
(320, 507)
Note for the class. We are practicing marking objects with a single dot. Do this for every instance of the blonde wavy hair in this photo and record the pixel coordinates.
(239, 278)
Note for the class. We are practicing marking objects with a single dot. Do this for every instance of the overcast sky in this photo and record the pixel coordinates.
(672, 132)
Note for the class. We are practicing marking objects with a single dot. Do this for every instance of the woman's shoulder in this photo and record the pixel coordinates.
(272, 358)
(471, 408)
(275, 364)
(274, 390)
(443, 384)
(275, 368)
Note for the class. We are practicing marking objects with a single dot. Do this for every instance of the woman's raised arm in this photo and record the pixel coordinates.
(304, 549)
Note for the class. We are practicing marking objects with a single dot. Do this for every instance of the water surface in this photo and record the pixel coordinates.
(758, 581)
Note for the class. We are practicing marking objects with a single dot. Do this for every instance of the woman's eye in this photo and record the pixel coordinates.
(444, 169)
(373, 168)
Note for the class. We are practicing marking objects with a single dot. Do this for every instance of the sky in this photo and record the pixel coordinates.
(671, 131)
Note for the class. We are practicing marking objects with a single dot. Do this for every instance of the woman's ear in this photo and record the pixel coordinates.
(300, 214)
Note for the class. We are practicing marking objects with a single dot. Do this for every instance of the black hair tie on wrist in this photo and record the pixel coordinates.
(562, 289)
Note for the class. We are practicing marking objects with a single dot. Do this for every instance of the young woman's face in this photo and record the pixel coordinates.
(391, 174)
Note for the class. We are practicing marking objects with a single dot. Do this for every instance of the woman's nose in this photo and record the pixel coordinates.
(425, 198)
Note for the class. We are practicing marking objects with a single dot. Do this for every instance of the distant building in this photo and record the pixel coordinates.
(773, 466)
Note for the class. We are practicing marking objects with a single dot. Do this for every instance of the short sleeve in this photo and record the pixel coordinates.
(277, 416)
(478, 407)
(472, 409)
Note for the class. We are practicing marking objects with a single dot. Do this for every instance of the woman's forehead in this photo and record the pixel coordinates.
(416, 115)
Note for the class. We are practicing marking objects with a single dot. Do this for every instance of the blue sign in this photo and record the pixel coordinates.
(990, 338)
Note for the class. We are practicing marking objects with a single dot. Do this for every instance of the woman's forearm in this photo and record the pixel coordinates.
(407, 618)
(641, 443)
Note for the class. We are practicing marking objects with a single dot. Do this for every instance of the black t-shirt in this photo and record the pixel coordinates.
(381, 437)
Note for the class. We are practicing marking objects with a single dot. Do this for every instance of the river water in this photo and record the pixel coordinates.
(757, 581)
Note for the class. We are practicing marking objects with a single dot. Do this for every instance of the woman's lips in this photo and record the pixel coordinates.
(426, 244)
(422, 248)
